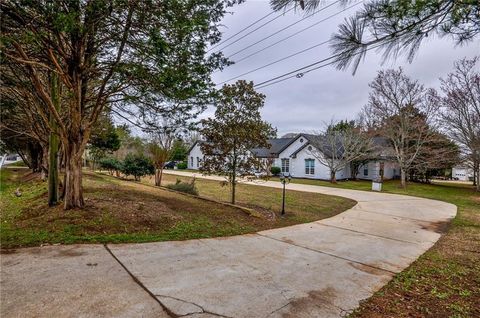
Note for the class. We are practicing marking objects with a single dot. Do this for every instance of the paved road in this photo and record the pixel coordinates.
(319, 269)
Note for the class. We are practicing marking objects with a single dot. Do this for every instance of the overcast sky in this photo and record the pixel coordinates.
(303, 104)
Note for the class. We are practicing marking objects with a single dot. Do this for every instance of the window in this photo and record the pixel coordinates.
(309, 166)
(285, 165)
(365, 171)
(191, 161)
(198, 162)
(301, 140)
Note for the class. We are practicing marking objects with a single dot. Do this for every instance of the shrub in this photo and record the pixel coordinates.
(186, 187)
(138, 166)
(111, 165)
(182, 165)
(275, 171)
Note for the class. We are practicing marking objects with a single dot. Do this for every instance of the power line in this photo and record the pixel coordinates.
(298, 32)
(298, 74)
(254, 30)
(277, 61)
(283, 29)
(245, 28)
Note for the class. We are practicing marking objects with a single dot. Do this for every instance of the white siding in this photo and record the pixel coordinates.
(195, 153)
(462, 174)
(390, 170)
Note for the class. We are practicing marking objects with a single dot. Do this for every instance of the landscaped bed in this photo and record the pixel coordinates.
(126, 211)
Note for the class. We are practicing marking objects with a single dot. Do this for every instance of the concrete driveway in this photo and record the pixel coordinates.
(319, 269)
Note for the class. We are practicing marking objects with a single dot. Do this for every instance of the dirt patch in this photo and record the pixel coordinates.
(69, 253)
(438, 227)
(315, 299)
(367, 269)
(30, 176)
(8, 251)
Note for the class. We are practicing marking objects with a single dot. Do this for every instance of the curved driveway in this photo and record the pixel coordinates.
(319, 269)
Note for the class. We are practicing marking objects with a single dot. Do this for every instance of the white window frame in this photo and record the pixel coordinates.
(309, 166)
(285, 165)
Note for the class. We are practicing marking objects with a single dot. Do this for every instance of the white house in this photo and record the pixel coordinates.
(462, 173)
(294, 155)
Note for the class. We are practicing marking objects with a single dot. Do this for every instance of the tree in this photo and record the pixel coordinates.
(339, 145)
(112, 165)
(161, 149)
(403, 111)
(461, 110)
(104, 139)
(179, 151)
(435, 157)
(397, 27)
(137, 166)
(130, 56)
(236, 128)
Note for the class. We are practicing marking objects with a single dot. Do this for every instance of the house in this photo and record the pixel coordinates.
(462, 173)
(293, 155)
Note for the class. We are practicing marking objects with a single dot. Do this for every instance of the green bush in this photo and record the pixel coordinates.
(275, 171)
(182, 165)
(111, 165)
(187, 187)
(138, 166)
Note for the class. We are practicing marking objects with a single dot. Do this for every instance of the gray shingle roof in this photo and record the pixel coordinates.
(276, 146)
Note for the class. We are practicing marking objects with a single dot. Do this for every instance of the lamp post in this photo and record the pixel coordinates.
(284, 179)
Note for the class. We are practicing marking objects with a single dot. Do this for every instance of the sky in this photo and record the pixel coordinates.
(307, 103)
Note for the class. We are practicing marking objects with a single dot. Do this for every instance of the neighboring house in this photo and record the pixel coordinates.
(195, 156)
(462, 173)
(293, 155)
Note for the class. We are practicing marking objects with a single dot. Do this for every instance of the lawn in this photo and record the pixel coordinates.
(445, 281)
(301, 207)
(125, 211)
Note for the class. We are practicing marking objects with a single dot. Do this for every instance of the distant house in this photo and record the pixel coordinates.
(293, 155)
(462, 173)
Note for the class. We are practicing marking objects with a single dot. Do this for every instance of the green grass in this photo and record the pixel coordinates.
(445, 281)
(119, 211)
(301, 207)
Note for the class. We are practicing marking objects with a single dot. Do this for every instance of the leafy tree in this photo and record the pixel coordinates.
(461, 110)
(396, 26)
(179, 151)
(236, 128)
(112, 165)
(104, 139)
(138, 166)
(403, 111)
(438, 154)
(134, 57)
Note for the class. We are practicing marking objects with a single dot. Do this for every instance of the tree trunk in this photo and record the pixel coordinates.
(73, 181)
(403, 178)
(234, 184)
(53, 147)
(53, 170)
(158, 177)
(354, 171)
(333, 177)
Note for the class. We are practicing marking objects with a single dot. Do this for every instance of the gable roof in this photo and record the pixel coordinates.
(194, 144)
(276, 146)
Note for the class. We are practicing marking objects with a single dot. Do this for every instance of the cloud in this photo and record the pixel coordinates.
(301, 104)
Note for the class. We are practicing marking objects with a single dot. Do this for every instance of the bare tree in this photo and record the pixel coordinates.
(461, 110)
(339, 145)
(403, 111)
